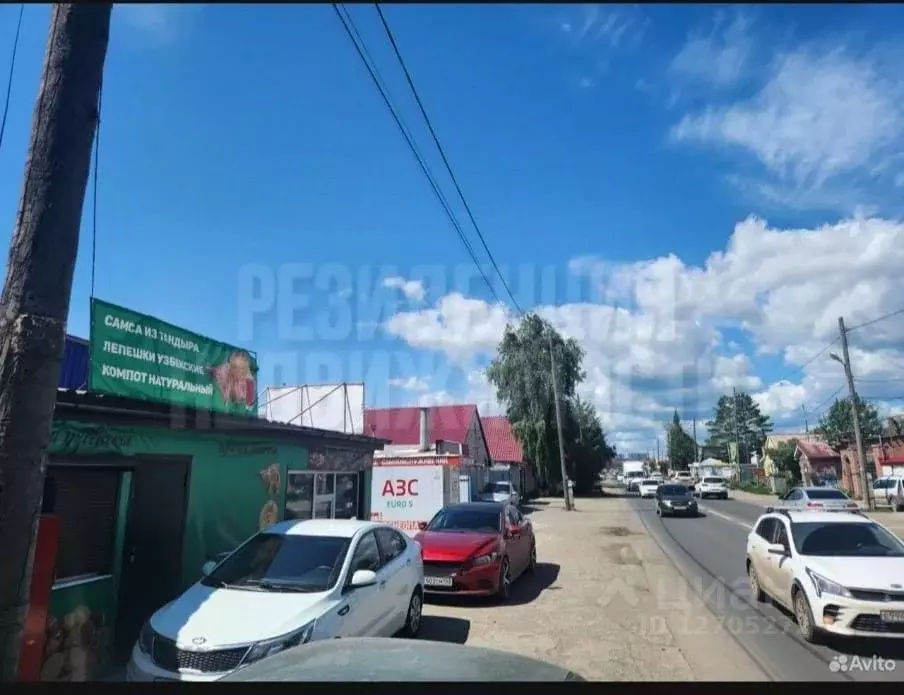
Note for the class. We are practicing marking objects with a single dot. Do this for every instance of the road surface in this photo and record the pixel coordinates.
(710, 552)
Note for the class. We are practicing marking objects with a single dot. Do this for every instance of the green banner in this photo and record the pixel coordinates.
(138, 356)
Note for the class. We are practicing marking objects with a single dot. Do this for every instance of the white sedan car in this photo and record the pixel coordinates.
(712, 487)
(502, 491)
(838, 572)
(296, 582)
(648, 487)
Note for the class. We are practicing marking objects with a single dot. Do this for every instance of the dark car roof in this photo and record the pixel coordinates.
(485, 506)
(669, 490)
(362, 659)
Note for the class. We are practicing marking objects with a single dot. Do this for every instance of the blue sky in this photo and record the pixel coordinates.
(241, 142)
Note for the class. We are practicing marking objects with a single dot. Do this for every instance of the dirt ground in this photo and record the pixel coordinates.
(605, 602)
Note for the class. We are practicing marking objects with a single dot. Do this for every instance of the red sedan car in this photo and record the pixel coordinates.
(476, 549)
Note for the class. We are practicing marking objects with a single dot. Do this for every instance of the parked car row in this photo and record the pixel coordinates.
(304, 581)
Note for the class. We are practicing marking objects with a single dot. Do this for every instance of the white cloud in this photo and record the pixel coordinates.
(717, 58)
(160, 23)
(412, 289)
(663, 347)
(412, 383)
(820, 115)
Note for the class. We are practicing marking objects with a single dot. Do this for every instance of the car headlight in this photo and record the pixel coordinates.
(667, 503)
(146, 638)
(261, 650)
(827, 586)
(487, 559)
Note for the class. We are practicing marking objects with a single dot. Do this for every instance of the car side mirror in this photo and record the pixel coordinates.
(208, 567)
(777, 549)
(422, 525)
(362, 578)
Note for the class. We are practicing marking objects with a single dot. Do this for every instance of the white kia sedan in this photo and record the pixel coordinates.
(294, 583)
(837, 572)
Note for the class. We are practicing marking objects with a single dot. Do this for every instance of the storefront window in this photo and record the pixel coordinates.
(300, 496)
(346, 495)
(322, 495)
(85, 501)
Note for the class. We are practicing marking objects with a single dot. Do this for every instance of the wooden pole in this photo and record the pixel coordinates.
(35, 301)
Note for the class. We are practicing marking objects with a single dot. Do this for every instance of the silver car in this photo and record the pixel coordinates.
(823, 499)
(502, 491)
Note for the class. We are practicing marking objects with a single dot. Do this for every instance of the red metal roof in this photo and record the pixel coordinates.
(501, 440)
(889, 453)
(817, 450)
(402, 425)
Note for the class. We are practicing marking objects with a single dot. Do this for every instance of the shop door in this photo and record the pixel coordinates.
(152, 553)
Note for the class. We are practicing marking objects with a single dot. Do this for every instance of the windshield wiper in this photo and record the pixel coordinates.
(266, 585)
(239, 587)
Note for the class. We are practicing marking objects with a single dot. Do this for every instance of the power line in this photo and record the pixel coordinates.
(819, 409)
(348, 24)
(810, 361)
(12, 67)
(876, 320)
(442, 152)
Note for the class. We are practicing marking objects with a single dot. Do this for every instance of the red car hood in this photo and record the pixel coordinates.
(451, 546)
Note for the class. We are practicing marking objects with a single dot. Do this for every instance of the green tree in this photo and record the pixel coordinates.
(784, 458)
(586, 450)
(521, 375)
(682, 450)
(837, 425)
(738, 418)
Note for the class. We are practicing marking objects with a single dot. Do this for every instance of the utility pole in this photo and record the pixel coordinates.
(657, 450)
(855, 414)
(696, 448)
(737, 425)
(555, 395)
(35, 302)
(806, 422)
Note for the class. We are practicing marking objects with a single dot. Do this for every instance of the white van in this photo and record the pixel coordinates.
(889, 491)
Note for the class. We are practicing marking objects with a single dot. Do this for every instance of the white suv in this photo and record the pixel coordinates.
(838, 572)
(712, 487)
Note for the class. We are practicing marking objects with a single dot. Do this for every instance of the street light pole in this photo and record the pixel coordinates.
(855, 412)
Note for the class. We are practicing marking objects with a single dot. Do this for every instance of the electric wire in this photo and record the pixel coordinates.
(875, 320)
(9, 78)
(442, 153)
(347, 24)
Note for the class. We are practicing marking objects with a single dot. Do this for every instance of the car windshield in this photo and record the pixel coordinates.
(277, 562)
(714, 481)
(673, 490)
(464, 519)
(834, 539)
(826, 494)
(497, 487)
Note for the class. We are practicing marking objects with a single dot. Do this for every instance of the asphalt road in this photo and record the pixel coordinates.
(710, 552)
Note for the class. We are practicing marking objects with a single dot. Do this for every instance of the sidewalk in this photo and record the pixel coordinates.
(606, 603)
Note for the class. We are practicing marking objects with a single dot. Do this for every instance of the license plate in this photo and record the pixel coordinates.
(437, 581)
(680, 506)
(892, 616)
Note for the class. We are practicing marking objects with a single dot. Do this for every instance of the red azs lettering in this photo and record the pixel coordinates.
(400, 488)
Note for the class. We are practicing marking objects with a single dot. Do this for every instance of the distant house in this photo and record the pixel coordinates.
(451, 430)
(819, 463)
(773, 441)
(507, 455)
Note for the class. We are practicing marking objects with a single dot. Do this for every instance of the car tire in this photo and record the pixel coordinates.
(803, 614)
(532, 561)
(415, 615)
(756, 593)
(505, 581)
